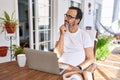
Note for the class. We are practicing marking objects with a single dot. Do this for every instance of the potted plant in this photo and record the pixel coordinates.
(3, 51)
(19, 55)
(103, 46)
(18, 50)
(10, 23)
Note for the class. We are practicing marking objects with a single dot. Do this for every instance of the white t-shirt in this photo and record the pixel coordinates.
(74, 44)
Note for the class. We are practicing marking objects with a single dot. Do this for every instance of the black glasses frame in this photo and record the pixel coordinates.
(69, 16)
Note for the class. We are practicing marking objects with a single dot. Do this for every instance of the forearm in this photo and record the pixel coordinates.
(86, 63)
(89, 58)
(59, 46)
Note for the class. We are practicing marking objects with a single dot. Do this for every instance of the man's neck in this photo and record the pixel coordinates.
(73, 29)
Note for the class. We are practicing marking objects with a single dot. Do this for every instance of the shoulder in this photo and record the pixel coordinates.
(84, 35)
(83, 32)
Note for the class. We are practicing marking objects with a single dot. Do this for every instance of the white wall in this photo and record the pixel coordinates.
(9, 6)
(89, 16)
(107, 12)
(60, 8)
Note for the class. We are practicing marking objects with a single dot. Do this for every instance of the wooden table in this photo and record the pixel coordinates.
(11, 71)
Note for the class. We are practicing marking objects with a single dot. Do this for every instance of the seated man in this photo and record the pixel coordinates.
(74, 46)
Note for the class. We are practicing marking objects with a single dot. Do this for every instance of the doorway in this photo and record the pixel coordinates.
(37, 13)
(23, 22)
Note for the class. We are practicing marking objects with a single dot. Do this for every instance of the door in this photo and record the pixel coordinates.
(40, 24)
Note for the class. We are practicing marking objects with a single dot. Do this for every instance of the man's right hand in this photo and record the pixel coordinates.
(63, 29)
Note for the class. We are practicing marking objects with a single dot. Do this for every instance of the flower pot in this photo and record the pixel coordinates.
(3, 51)
(21, 59)
(10, 27)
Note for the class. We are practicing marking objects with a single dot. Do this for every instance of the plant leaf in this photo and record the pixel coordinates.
(2, 19)
(6, 16)
(12, 15)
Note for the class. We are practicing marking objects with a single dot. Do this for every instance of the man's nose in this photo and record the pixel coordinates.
(66, 18)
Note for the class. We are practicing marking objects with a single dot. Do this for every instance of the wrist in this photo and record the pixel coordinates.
(62, 34)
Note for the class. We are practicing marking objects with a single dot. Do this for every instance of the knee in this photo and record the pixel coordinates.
(72, 77)
(87, 75)
(76, 77)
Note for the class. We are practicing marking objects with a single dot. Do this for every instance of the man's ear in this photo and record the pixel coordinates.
(77, 21)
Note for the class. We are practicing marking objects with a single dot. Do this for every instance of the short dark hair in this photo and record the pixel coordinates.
(79, 12)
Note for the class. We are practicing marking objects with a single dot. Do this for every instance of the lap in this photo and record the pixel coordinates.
(72, 76)
(77, 76)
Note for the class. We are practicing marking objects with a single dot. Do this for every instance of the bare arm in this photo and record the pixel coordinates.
(60, 43)
(89, 58)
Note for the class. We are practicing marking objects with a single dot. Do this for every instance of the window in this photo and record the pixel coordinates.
(44, 24)
(40, 24)
(75, 4)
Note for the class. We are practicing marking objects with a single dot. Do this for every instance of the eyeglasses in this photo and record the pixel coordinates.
(69, 16)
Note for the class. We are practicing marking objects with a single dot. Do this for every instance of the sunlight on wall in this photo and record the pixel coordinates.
(107, 12)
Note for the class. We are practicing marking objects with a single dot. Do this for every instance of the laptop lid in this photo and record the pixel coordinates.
(43, 61)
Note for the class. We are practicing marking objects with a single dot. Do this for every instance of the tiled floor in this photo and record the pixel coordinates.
(108, 69)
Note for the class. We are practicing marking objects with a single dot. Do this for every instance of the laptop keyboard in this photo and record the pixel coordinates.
(63, 66)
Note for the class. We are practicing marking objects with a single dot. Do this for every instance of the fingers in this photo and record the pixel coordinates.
(66, 23)
(63, 29)
(72, 68)
(68, 74)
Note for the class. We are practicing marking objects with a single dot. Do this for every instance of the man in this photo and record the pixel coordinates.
(74, 46)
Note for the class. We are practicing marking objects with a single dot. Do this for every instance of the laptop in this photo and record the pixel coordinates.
(44, 61)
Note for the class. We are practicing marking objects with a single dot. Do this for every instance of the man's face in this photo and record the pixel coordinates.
(70, 18)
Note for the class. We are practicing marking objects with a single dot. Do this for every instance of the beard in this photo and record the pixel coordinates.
(69, 25)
